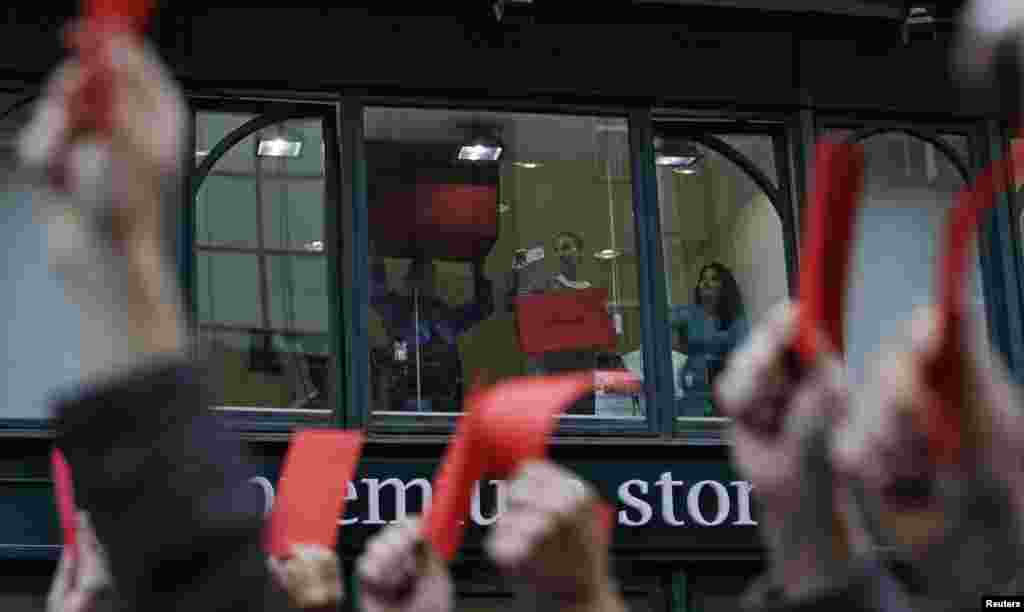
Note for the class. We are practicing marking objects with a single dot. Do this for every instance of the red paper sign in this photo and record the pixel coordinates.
(944, 374)
(91, 106)
(825, 261)
(564, 321)
(65, 493)
(311, 492)
(502, 427)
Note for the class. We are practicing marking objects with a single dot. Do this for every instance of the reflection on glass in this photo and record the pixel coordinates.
(261, 267)
(910, 185)
(483, 270)
(725, 264)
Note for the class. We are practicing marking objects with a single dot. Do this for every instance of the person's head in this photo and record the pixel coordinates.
(569, 247)
(718, 292)
(421, 276)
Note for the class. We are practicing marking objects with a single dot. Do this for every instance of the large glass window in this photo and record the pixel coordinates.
(910, 185)
(724, 250)
(502, 245)
(261, 280)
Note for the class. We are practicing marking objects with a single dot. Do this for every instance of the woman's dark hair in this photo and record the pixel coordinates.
(730, 307)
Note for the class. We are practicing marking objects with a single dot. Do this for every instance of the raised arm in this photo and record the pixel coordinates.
(164, 483)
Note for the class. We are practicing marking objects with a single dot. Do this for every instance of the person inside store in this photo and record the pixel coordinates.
(569, 249)
(163, 481)
(707, 331)
(548, 539)
(423, 331)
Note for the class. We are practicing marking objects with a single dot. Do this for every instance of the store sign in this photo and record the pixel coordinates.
(704, 503)
(663, 508)
(689, 504)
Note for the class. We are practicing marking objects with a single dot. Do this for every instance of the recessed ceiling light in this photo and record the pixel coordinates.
(279, 147)
(607, 254)
(528, 165)
(480, 152)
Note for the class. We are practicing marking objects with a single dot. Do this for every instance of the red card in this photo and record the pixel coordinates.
(462, 466)
(516, 418)
(606, 520)
(944, 374)
(65, 493)
(311, 492)
(135, 12)
(564, 321)
(91, 105)
(825, 261)
(502, 427)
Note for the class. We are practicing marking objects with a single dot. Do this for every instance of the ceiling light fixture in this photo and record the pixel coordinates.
(481, 149)
(286, 144)
(676, 154)
(607, 254)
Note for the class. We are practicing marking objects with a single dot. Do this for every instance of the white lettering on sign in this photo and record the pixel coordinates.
(743, 489)
(268, 493)
(668, 499)
(475, 511)
(401, 489)
(711, 509)
(693, 503)
(350, 495)
(636, 503)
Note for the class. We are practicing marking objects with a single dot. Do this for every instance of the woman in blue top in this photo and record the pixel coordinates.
(708, 330)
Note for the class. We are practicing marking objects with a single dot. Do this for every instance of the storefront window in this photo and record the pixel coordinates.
(261, 263)
(502, 245)
(910, 185)
(725, 258)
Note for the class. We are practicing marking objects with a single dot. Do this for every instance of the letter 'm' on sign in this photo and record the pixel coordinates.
(401, 490)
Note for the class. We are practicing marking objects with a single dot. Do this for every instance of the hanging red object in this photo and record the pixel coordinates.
(64, 492)
(311, 491)
(503, 426)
